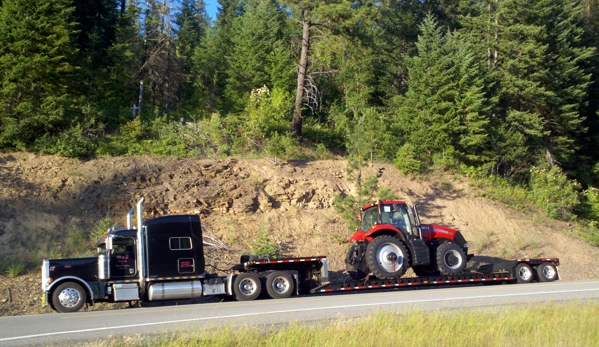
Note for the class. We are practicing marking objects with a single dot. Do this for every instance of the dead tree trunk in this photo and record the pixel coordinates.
(296, 123)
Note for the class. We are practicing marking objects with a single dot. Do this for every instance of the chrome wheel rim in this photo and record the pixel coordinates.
(69, 297)
(247, 286)
(453, 259)
(525, 273)
(549, 272)
(280, 285)
(390, 257)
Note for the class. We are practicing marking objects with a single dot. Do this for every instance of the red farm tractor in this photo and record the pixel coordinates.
(391, 239)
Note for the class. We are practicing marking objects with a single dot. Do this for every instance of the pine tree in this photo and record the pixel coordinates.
(192, 23)
(445, 109)
(259, 51)
(36, 60)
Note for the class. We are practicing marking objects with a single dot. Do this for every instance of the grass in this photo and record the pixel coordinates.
(546, 324)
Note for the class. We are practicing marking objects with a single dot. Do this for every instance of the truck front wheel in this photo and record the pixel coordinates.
(68, 297)
(387, 257)
(246, 287)
(279, 285)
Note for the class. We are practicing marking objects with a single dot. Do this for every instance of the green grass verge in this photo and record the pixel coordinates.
(548, 324)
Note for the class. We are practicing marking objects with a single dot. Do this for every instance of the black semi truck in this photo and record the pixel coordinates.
(163, 259)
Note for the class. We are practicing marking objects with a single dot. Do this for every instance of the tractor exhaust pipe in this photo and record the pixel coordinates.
(130, 219)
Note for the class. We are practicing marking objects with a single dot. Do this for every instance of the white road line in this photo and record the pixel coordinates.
(288, 311)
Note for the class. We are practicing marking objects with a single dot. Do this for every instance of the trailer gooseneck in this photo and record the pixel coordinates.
(163, 259)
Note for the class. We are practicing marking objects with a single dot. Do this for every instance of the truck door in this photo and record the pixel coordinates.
(122, 258)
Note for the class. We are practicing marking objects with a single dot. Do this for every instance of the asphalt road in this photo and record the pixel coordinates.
(61, 329)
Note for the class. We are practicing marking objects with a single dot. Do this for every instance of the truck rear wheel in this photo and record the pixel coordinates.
(524, 273)
(279, 285)
(68, 297)
(246, 287)
(387, 257)
(547, 272)
(451, 259)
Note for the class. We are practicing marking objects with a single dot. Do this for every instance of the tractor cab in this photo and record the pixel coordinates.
(392, 215)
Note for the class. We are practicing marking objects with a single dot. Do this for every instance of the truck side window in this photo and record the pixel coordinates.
(180, 243)
(123, 245)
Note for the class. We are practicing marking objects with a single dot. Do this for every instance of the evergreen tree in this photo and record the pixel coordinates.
(36, 60)
(210, 64)
(444, 110)
(121, 88)
(192, 23)
(260, 54)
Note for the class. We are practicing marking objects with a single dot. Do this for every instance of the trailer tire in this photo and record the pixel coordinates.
(387, 257)
(68, 297)
(246, 287)
(524, 273)
(547, 272)
(451, 259)
(279, 285)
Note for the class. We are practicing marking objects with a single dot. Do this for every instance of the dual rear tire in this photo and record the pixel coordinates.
(248, 286)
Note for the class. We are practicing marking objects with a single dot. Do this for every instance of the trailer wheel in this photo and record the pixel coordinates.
(451, 259)
(387, 257)
(547, 272)
(279, 285)
(524, 273)
(246, 287)
(68, 297)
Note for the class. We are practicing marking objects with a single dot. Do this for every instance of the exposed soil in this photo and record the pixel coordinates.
(41, 196)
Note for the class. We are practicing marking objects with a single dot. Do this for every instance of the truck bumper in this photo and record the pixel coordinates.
(44, 299)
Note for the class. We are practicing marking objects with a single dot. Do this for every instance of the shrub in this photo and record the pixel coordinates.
(406, 160)
(264, 246)
(284, 147)
(554, 192)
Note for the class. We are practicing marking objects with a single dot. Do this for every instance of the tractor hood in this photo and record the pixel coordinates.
(434, 231)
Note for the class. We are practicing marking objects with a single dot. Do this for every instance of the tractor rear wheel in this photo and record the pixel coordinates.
(387, 257)
(451, 259)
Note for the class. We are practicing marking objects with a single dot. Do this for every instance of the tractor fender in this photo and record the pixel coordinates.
(377, 230)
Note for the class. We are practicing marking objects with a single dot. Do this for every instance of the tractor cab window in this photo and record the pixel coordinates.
(370, 217)
(397, 215)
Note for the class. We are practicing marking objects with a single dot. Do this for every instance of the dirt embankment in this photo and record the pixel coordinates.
(237, 199)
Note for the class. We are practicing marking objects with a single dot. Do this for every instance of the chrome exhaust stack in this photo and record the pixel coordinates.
(140, 242)
(130, 219)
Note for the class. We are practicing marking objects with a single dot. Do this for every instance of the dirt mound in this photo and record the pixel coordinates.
(238, 199)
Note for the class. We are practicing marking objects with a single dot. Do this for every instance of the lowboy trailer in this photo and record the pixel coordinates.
(163, 259)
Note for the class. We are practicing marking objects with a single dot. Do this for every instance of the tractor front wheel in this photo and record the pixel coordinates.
(387, 257)
(451, 259)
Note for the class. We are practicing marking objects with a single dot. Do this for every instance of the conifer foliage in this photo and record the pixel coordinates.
(493, 87)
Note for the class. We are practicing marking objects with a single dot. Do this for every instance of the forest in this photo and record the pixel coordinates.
(502, 90)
